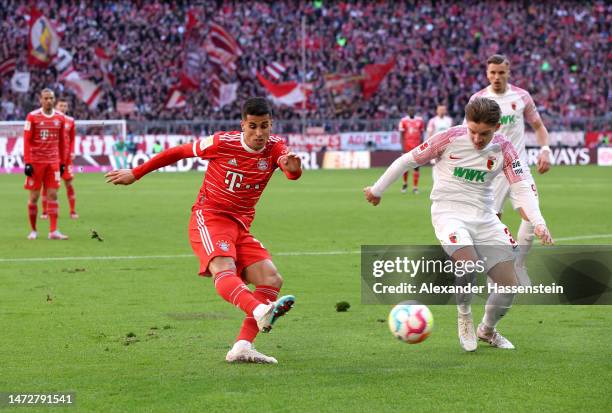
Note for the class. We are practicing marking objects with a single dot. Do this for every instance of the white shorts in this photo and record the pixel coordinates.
(501, 192)
(458, 225)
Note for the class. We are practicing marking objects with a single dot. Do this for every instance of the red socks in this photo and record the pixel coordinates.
(233, 290)
(32, 212)
(71, 197)
(249, 328)
(52, 210)
(406, 178)
(43, 198)
(415, 178)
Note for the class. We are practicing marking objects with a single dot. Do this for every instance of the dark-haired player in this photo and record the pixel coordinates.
(45, 156)
(241, 164)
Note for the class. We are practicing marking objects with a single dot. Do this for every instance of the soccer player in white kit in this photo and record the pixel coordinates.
(468, 160)
(439, 122)
(517, 107)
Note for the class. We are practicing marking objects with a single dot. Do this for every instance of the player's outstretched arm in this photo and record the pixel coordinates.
(291, 165)
(164, 158)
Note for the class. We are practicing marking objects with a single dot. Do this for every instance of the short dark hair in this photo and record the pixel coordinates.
(483, 110)
(46, 90)
(498, 59)
(256, 106)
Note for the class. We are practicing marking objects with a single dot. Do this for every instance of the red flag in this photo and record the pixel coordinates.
(7, 66)
(287, 93)
(190, 75)
(43, 40)
(175, 99)
(86, 90)
(373, 75)
(222, 48)
(104, 60)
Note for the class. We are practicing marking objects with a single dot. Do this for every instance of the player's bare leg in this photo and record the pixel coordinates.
(71, 198)
(465, 323)
(33, 212)
(53, 210)
(43, 199)
(498, 305)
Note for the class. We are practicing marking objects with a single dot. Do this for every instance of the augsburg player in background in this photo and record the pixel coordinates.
(517, 107)
(468, 160)
(240, 166)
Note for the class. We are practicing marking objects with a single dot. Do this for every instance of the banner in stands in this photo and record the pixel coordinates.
(98, 154)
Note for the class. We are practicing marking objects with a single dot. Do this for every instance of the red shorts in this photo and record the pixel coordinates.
(68, 174)
(408, 146)
(47, 174)
(216, 235)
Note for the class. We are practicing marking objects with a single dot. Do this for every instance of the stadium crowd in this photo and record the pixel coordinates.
(558, 52)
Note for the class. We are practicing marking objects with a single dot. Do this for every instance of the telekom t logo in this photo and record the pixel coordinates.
(233, 180)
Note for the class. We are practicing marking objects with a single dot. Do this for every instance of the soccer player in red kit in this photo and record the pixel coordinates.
(411, 127)
(45, 156)
(67, 176)
(240, 166)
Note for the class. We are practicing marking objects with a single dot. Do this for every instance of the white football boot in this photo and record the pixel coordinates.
(272, 312)
(57, 235)
(244, 352)
(494, 338)
(467, 334)
(33, 235)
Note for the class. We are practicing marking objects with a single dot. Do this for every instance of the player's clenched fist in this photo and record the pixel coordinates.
(290, 162)
(370, 197)
(543, 234)
(120, 177)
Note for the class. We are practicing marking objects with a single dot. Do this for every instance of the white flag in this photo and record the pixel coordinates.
(62, 60)
(20, 82)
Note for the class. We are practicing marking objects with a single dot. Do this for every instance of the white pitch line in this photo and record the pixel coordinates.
(583, 237)
(278, 254)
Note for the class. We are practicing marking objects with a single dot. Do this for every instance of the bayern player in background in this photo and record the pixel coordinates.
(517, 107)
(411, 128)
(240, 166)
(45, 156)
(68, 175)
(468, 160)
(440, 122)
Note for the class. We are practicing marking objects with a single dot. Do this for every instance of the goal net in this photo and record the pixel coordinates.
(100, 145)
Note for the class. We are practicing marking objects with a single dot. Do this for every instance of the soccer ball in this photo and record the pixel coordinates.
(411, 323)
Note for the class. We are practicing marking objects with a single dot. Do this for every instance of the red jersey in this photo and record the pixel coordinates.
(412, 130)
(69, 137)
(236, 174)
(43, 136)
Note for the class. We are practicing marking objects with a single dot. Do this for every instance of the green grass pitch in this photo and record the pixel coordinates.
(147, 334)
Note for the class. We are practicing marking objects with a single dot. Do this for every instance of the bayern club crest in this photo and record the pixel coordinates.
(223, 245)
(262, 164)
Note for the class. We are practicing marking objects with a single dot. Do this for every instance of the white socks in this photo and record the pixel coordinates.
(497, 306)
(464, 301)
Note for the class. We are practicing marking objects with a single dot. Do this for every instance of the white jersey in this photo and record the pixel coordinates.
(517, 106)
(462, 174)
(438, 124)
